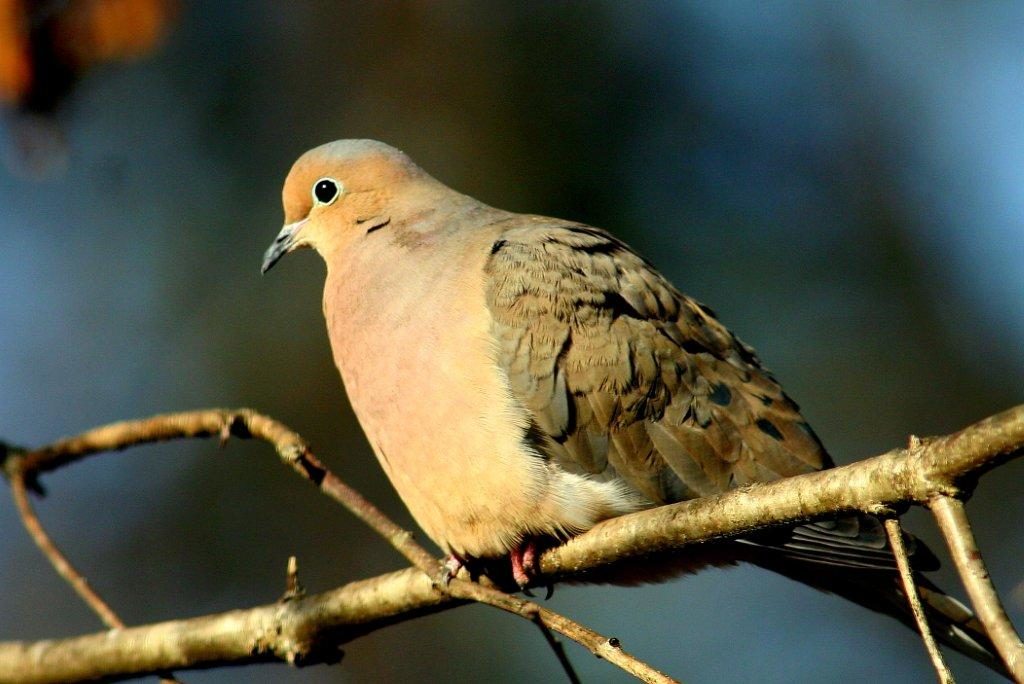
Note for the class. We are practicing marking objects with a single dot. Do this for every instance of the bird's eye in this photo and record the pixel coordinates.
(325, 191)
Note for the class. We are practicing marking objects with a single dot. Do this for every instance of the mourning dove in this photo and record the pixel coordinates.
(522, 377)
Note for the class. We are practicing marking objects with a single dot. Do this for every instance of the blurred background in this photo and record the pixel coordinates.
(842, 182)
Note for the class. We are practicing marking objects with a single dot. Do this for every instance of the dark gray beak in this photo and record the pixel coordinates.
(285, 242)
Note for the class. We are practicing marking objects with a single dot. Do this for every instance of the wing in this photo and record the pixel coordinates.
(625, 377)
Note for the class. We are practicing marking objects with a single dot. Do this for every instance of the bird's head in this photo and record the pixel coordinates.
(340, 191)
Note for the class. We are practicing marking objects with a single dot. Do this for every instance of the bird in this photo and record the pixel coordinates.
(521, 378)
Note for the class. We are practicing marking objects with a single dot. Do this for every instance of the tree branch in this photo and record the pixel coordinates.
(303, 631)
(57, 559)
(942, 465)
(895, 533)
(62, 565)
(310, 629)
(295, 452)
(956, 529)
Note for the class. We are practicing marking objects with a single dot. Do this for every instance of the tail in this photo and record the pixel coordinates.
(870, 579)
(952, 623)
(961, 628)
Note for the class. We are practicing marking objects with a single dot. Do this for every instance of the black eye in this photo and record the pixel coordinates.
(325, 190)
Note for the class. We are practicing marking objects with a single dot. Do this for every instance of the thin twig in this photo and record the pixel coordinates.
(952, 518)
(603, 647)
(57, 559)
(899, 550)
(559, 649)
(62, 565)
(294, 451)
(297, 454)
(306, 464)
(309, 630)
(293, 588)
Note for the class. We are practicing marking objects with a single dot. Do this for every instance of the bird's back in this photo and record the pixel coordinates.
(626, 377)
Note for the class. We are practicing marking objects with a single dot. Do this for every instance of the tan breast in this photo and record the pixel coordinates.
(415, 353)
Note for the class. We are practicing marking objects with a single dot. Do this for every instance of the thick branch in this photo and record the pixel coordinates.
(302, 631)
(310, 627)
(295, 452)
(892, 480)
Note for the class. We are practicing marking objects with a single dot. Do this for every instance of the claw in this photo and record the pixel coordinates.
(452, 565)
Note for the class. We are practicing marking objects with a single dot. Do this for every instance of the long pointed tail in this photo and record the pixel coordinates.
(952, 623)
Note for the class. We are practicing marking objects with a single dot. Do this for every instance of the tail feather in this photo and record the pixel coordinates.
(956, 626)
(849, 557)
(952, 623)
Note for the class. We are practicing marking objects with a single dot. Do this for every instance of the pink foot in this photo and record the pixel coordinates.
(524, 562)
(452, 565)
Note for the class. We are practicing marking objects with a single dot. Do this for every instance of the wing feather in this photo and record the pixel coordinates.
(626, 378)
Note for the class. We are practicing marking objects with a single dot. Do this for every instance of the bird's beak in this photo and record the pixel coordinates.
(285, 242)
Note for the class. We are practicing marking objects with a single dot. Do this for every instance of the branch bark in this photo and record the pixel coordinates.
(310, 629)
(895, 533)
(939, 466)
(956, 529)
(293, 451)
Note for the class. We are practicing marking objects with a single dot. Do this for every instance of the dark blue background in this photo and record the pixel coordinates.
(842, 182)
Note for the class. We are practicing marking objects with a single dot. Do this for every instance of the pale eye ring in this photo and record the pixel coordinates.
(326, 190)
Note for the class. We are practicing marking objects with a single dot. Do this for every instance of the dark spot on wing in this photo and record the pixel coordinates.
(589, 232)
(694, 347)
(767, 427)
(707, 310)
(618, 305)
(496, 247)
(808, 431)
(721, 395)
